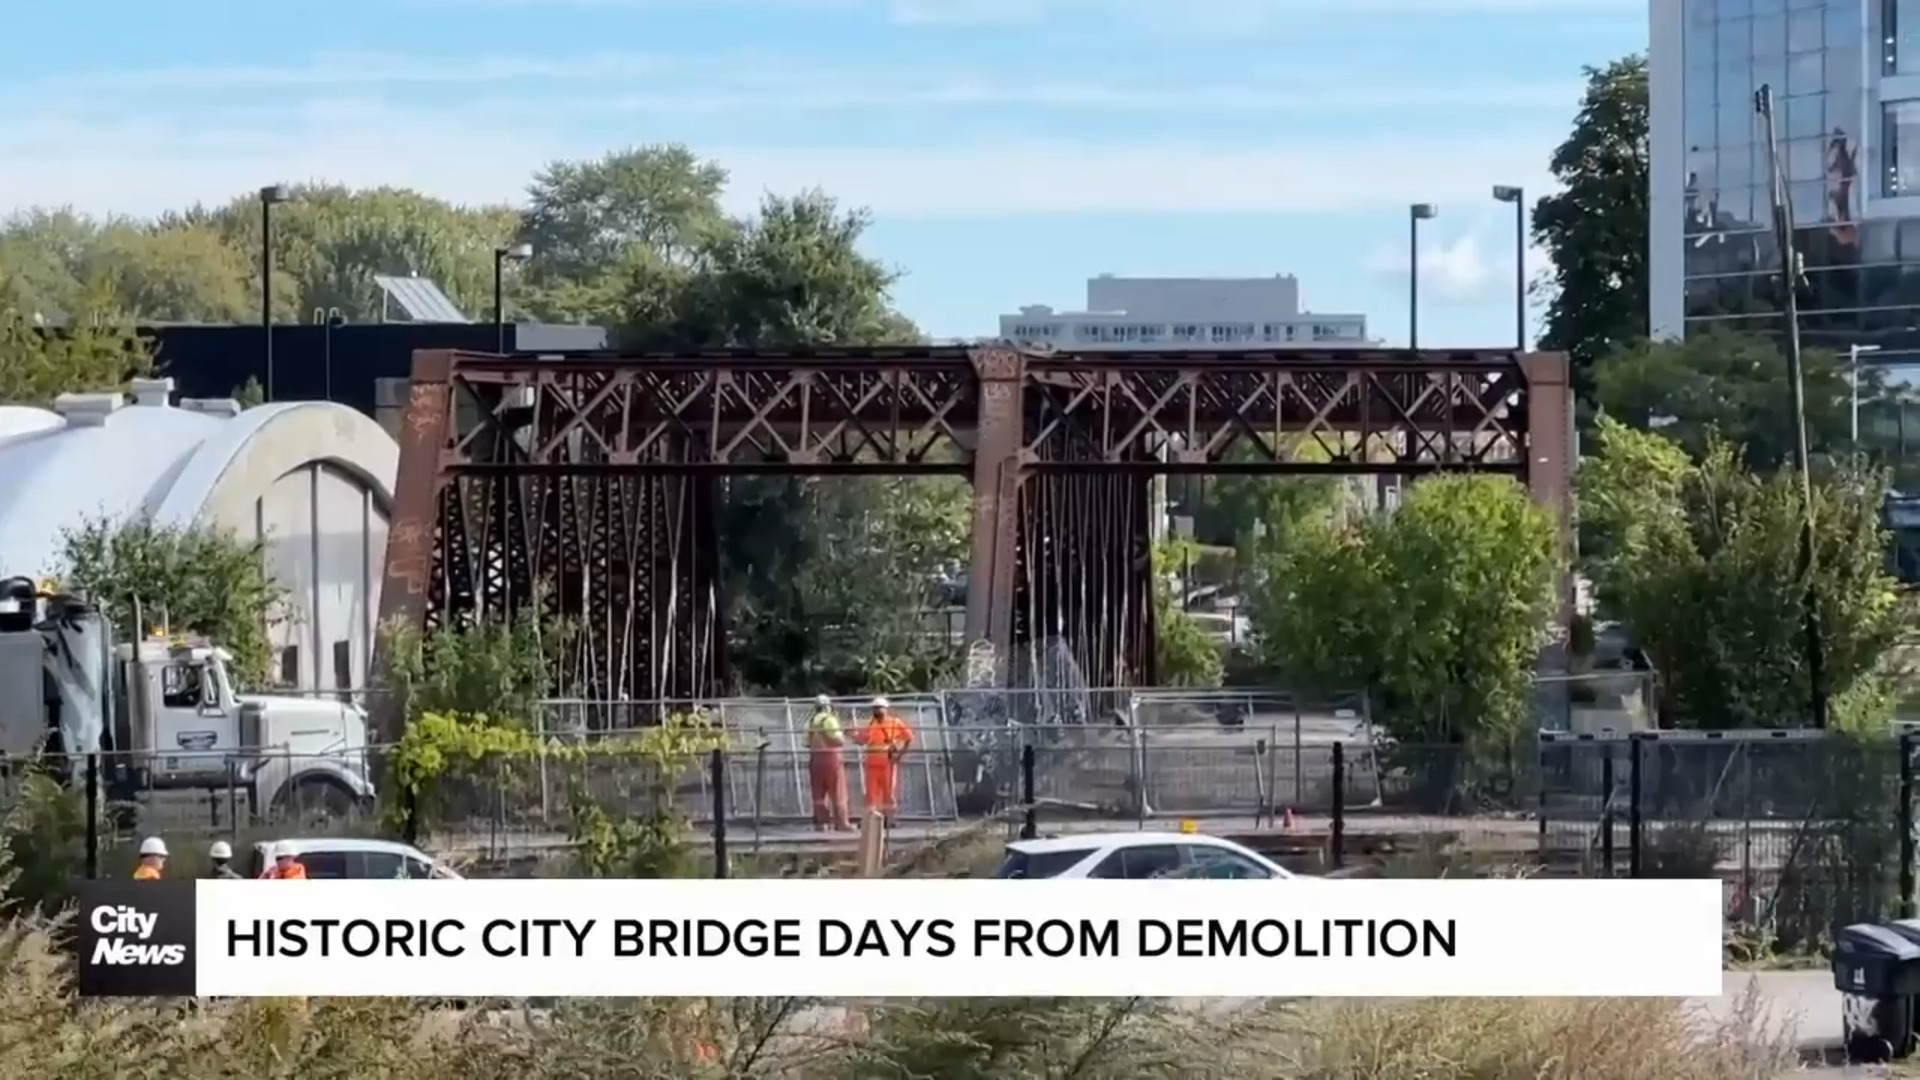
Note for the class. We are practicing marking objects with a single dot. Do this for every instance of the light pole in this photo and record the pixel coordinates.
(1518, 198)
(1854, 352)
(502, 256)
(1416, 214)
(270, 196)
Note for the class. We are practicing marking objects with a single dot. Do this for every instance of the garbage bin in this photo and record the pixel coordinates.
(1877, 971)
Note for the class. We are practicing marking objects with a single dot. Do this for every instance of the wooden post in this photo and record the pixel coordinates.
(873, 844)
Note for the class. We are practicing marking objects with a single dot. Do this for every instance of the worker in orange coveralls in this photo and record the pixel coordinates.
(825, 768)
(886, 739)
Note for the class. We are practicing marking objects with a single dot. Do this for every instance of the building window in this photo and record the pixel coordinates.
(1900, 148)
(343, 670)
(290, 666)
(1899, 37)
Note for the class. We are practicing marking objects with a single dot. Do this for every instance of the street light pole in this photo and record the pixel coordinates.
(501, 256)
(1416, 214)
(270, 196)
(1518, 198)
(1853, 389)
(1790, 316)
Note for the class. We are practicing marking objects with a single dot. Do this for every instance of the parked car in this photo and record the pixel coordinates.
(351, 859)
(1137, 855)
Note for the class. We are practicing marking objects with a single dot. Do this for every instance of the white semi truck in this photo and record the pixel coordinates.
(163, 713)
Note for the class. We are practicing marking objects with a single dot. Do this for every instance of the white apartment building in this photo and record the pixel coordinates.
(1177, 313)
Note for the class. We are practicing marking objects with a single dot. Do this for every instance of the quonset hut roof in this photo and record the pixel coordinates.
(96, 455)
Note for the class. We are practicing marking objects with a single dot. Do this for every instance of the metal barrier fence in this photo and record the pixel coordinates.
(1809, 830)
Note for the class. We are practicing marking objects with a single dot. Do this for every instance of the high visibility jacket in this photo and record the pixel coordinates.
(294, 870)
(823, 731)
(886, 733)
(146, 872)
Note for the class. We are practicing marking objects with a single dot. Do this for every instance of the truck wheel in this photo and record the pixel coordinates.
(319, 799)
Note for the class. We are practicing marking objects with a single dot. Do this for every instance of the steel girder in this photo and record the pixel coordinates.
(583, 484)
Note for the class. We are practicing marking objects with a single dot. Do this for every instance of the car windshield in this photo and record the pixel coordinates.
(1044, 864)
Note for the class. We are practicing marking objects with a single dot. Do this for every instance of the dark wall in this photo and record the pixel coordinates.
(342, 363)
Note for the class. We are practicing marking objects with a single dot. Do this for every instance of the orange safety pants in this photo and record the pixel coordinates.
(883, 782)
(829, 781)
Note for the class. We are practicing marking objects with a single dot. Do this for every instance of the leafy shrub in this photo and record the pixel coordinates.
(198, 580)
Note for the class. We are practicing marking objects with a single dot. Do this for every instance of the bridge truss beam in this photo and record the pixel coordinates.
(583, 485)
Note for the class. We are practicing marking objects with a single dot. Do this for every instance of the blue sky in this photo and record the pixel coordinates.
(1008, 149)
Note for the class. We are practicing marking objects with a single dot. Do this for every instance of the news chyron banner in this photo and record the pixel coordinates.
(902, 938)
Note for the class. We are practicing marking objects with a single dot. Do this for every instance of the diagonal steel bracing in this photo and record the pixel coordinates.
(584, 485)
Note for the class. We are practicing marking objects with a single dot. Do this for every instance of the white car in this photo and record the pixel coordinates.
(349, 858)
(1137, 855)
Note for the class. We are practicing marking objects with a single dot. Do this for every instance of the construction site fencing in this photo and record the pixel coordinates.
(1810, 830)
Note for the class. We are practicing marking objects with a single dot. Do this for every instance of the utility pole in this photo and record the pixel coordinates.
(1790, 313)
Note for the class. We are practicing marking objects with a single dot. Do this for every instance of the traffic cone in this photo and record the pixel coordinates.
(1286, 820)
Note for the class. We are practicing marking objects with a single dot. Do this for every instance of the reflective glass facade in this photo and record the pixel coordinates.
(1814, 56)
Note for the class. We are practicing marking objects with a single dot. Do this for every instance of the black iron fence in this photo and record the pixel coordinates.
(1807, 829)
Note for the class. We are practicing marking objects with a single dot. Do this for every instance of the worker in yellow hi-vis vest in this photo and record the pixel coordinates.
(825, 768)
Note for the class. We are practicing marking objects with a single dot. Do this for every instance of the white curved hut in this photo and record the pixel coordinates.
(311, 479)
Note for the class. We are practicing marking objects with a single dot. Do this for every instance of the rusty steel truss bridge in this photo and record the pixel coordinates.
(586, 483)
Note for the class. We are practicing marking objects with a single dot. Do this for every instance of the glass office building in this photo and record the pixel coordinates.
(1845, 76)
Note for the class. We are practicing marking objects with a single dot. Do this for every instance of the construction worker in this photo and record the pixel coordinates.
(220, 855)
(825, 768)
(153, 860)
(886, 739)
(286, 864)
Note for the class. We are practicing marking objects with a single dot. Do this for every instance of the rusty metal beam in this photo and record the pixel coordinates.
(583, 483)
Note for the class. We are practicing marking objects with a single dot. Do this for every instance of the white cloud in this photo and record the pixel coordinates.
(137, 164)
(136, 141)
(605, 85)
(1467, 266)
(976, 12)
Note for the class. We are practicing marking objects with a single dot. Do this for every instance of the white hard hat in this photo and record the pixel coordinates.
(879, 703)
(153, 845)
(284, 850)
(219, 850)
(823, 700)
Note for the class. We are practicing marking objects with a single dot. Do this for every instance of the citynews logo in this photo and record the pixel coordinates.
(136, 938)
(130, 945)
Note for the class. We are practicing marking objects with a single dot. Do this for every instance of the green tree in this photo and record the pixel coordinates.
(832, 581)
(90, 352)
(181, 273)
(199, 580)
(1701, 559)
(1440, 607)
(1594, 229)
(329, 241)
(43, 256)
(1733, 386)
(1184, 653)
(495, 669)
(646, 214)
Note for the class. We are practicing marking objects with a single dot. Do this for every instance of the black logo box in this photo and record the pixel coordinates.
(108, 904)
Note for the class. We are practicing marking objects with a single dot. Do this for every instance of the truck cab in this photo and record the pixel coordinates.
(184, 725)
